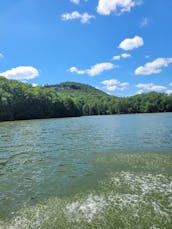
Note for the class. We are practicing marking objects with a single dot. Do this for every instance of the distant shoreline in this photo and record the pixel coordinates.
(22, 101)
(34, 119)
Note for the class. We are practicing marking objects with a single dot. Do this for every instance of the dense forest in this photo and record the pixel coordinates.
(20, 101)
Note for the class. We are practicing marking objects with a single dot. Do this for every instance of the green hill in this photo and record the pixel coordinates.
(23, 101)
(73, 87)
(89, 100)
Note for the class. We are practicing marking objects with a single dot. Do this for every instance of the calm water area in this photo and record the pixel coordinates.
(111, 171)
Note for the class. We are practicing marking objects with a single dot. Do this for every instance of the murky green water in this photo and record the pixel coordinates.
(88, 172)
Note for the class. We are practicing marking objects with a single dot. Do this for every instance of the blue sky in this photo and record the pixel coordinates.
(120, 46)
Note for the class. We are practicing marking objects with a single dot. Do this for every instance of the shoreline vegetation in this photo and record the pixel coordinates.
(22, 101)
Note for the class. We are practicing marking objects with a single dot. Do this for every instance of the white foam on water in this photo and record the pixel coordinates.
(143, 184)
(123, 200)
(140, 191)
(129, 196)
(33, 217)
(154, 227)
(158, 208)
(86, 210)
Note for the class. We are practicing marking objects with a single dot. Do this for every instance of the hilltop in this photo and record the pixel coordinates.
(74, 87)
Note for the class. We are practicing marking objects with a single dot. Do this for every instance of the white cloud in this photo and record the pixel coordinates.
(1, 56)
(153, 67)
(106, 7)
(170, 84)
(116, 57)
(20, 73)
(99, 68)
(124, 85)
(144, 22)
(150, 87)
(110, 85)
(131, 43)
(75, 1)
(95, 69)
(114, 84)
(74, 69)
(124, 55)
(84, 18)
(169, 92)
(139, 92)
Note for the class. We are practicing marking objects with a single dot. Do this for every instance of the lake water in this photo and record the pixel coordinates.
(87, 172)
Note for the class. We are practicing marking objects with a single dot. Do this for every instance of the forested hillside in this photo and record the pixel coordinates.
(23, 101)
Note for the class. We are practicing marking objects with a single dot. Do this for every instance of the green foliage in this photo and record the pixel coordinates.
(22, 101)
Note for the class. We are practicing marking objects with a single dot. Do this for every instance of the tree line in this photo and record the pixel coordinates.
(19, 101)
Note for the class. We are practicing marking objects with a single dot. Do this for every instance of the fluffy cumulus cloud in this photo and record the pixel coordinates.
(106, 7)
(84, 18)
(123, 55)
(95, 69)
(75, 1)
(131, 43)
(20, 73)
(153, 67)
(118, 57)
(76, 70)
(114, 84)
(99, 68)
(150, 87)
